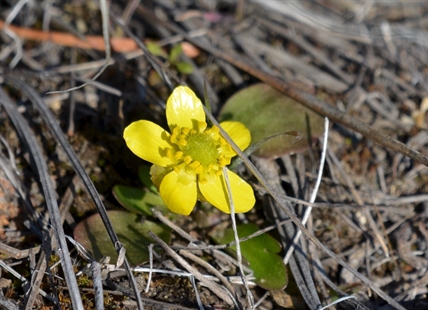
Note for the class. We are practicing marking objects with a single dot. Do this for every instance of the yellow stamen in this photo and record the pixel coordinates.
(195, 164)
(182, 142)
(187, 159)
(178, 155)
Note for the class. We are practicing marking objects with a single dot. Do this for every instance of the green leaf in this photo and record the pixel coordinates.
(175, 53)
(145, 177)
(156, 50)
(268, 267)
(133, 233)
(184, 67)
(136, 200)
(267, 112)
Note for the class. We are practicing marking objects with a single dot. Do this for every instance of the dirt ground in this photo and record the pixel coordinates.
(66, 97)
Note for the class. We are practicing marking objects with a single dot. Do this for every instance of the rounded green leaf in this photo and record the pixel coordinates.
(137, 200)
(132, 233)
(267, 112)
(260, 253)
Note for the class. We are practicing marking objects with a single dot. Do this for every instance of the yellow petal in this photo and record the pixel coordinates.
(215, 191)
(184, 109)
(238, 133)
(179, 192)
(148, 141)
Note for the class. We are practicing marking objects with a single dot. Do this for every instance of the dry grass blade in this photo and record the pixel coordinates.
(362, 64)
(210, 268)
(197, 77)
(250, 296)
(24, 280)
(299, 262)
(216, 289)
(304, 98)
(49, 193)
(160, 68)
(98, 285)
(58, 134)
(36, 282)
(106, 37)
(11, 16)
(296, 221)
(314, 193)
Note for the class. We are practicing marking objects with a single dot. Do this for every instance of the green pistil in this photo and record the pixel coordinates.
(197, 151)
(202, 148)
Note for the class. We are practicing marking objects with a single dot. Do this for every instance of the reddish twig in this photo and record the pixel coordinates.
(120, 45)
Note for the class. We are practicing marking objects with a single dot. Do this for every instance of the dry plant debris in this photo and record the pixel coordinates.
(362, 64)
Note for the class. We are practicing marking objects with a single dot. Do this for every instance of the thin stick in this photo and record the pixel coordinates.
(105, 14)
(231, 243)
(212, 250)
(77, 165)
(235, 233)
(150, 266)
(120, 45)
(209, 268)
(195, 288)
(309, 101)
(13, 35)
(218, 290)
(338, 301)
(98, 286)
(313, 195)
(23, 279)
(49, 194)
(296, 221)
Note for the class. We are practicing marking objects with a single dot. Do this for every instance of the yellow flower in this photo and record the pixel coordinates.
(188, 162)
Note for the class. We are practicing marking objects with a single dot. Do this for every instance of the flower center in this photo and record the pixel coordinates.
(198, 151)
(202, 148)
